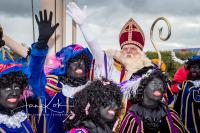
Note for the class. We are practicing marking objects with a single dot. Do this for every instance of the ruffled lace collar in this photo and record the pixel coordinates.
(196, 83)
(69, 91)
(13, 121)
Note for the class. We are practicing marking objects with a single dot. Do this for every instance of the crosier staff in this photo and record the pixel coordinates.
(160, 35)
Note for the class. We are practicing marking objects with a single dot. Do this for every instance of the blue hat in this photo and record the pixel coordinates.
(7, 66)
(70, 52)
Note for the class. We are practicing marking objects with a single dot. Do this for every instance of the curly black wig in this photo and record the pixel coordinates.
(191, 62)
(138, 98)
(97, 95)
(14, 77)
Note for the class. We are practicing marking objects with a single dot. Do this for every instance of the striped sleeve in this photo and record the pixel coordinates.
(176, 121)
(53, 85)
(128, 124)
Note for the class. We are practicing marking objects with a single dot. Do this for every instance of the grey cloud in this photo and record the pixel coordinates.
(110, 16)
(94, 3)
(174, 7)
(17, 7)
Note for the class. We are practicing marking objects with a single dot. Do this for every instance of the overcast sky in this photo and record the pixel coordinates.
(107, 17)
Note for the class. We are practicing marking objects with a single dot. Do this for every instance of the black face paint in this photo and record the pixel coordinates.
(194, 73)
(153, 92)
(76, 73)
(109, 112)
(9, 96)
(77, 69)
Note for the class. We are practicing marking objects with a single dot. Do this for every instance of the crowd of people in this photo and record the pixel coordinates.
(112, 91)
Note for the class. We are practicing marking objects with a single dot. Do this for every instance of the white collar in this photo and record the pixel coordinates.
(196, 83)
(13, 121)
(69, 91)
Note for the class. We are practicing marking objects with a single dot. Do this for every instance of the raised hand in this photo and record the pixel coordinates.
(45, 28)
(2, 42)
(78, 15)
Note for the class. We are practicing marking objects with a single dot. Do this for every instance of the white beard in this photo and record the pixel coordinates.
(132, 64)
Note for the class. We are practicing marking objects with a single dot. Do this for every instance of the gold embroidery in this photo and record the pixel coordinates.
(131, 41)
(132, 122)
(130, 27)
(168, 125)
(44, 127)
(132, 22)
(67, 105)
(142, 128)
(194, 120)
(186, 108)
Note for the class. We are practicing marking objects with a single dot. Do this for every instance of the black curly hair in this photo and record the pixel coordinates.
(138, 98)
(14, 77)
(188, 66)
(98, 95)
(191, 62)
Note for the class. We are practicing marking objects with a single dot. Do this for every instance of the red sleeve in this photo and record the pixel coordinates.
(180, 76)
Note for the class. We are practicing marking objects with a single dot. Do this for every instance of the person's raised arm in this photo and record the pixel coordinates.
(8, 41)
(19, 49)
(2, 42)
(80, 16)
(39, 52)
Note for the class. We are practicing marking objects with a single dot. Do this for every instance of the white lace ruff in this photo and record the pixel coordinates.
(196, 83)
(13, 121)
(69, 91)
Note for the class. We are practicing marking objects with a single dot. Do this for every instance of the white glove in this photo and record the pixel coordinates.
(78, 15)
